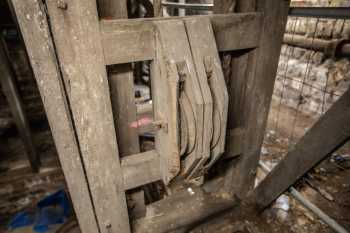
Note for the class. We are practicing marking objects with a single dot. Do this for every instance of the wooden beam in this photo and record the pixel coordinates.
(140, 169)
(256, 93)
(108, 9)
(76, 35)
(138, 36)
(157, 8)
(128, 46)
(11, 92)
(330, 132)
(121, 79)
(171, 214)
(36, 34)
(246, 27)
(224, 6)
(121, 82)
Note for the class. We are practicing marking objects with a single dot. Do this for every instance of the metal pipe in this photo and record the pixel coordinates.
(320, 12)
(335, 47)
(193, 6)
(309, 205)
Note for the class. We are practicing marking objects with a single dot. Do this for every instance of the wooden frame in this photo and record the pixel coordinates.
(81, 115)
(11, 91)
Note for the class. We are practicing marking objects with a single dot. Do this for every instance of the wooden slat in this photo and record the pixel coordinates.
(36, 35)
(182, 210)
(330, 132)
(140, 169)
(112, 9)
(240, 83)
(138, 35)
(165, 91)
(224, 6)
(121, 80)
(207, 62)
(128, 46)
(11, 92)
(245, 27)
(76, 35)
(259, 87)
(199, 32)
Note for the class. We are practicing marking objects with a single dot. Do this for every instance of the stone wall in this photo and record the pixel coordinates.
(310, 81)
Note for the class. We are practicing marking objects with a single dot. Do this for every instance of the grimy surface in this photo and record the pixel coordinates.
(10, 89)
(330, 132)
(256, 92)
(76, 33)
(36, 34)
(121, 83)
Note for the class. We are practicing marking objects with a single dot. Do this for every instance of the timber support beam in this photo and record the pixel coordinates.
(330, 132)
(252, 81)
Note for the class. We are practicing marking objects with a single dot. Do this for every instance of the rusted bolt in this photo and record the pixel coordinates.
(62, 5)
(161, 125)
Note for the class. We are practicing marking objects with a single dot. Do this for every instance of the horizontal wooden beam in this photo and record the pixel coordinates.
(126, 41)
(182, 210)
(330, 132)
(140, 169)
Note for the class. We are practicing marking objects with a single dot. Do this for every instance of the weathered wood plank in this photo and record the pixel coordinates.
(112, 9)
(140, 169)
(165, 93)
(76, 35)
(124, 108)
(330, 132)
(200, 31)
(207, 62)
(138, 35)
(171, 214)
(121, 79)
(247, 27)
(10, 89)
(35, 31)
(255, 95)
(157, 8)
(224, 6)
(128, 46)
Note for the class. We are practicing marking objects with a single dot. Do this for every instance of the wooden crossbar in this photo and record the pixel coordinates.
(126, 41)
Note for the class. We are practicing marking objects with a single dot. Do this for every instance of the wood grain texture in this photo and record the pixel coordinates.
(121, 80)
(171, 214)
(330, 132)
(165, 91)
(224, 6)
(261, 73)
(35, 31)
(140, 169)
(207, 62)
(10, 90)
(76, 35)
(133, 40)
(112, 9)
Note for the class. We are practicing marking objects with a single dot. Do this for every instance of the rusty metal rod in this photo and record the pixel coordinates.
(309, 205)
(335, 47)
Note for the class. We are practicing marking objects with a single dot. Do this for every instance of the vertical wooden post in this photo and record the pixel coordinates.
(157, 8)
(121, 82)
(76, 31)
(10, 89)
(32, 21)
(254, 94)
